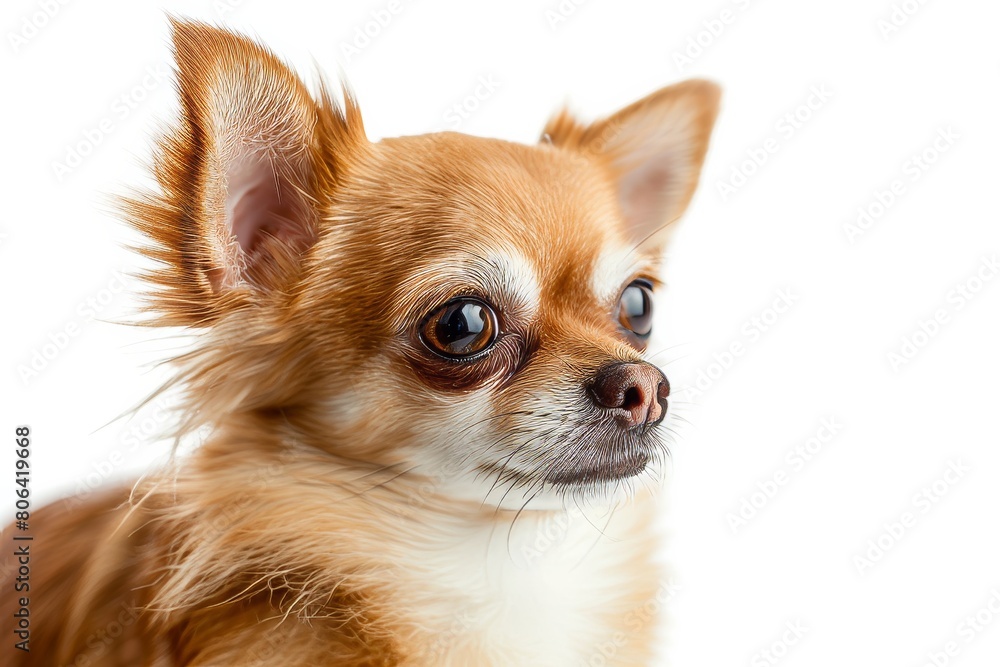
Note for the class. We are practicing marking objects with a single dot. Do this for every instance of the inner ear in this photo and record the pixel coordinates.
(255, 204)
(251, 157)
(653, 150)
(243, 176)
(265, 210)
(643, 195)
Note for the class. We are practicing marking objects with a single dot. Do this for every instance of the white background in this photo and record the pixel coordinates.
(855, 298)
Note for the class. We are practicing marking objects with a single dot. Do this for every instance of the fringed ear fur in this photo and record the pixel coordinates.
(243, 177)
(653, 150)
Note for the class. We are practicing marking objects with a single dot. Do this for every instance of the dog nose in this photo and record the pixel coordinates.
(634, 392)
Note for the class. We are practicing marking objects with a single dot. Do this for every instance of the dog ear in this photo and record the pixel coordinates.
(243, 177)
(653, 150)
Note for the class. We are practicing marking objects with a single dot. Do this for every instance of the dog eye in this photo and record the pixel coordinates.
(460, 329)
(635, 309)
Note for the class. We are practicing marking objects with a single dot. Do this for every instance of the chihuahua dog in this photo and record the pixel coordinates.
(420, 363)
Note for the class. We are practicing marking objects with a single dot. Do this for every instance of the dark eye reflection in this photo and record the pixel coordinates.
(460, 329)
(635, 309)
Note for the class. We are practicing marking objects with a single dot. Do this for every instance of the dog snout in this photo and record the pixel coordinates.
(636, 393)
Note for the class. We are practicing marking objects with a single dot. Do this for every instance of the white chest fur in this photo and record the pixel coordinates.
(551, 588)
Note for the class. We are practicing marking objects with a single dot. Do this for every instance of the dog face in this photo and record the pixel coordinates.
(471, 310)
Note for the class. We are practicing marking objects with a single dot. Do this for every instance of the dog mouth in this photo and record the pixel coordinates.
(581, 457)
(599, 467)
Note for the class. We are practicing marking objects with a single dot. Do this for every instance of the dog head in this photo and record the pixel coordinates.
(468, 309)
